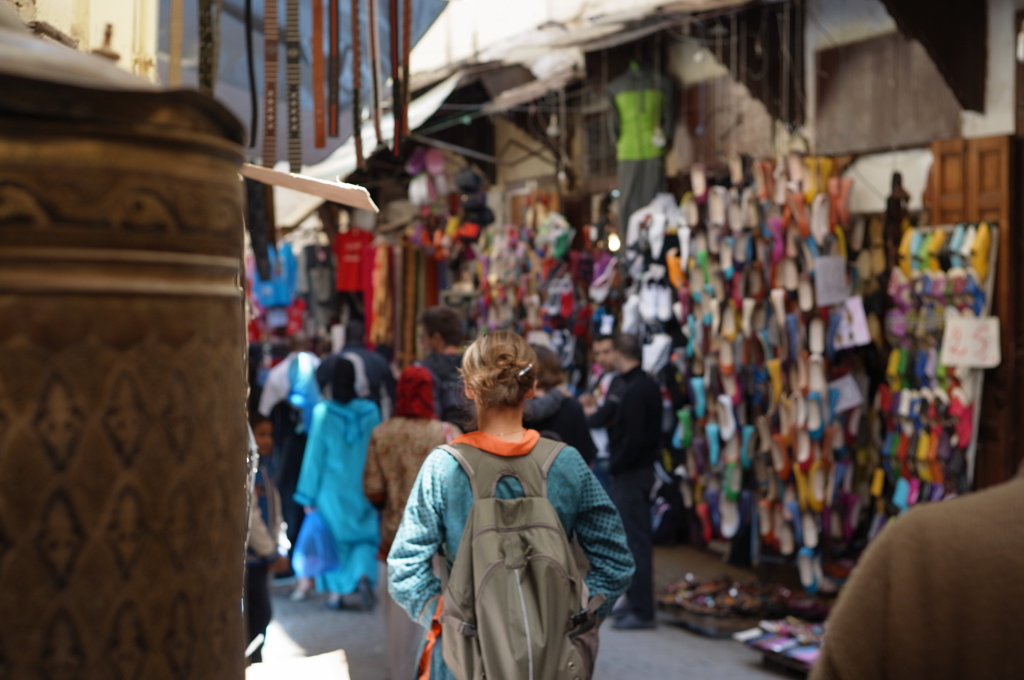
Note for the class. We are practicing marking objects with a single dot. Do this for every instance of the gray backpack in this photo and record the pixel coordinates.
(516, 606)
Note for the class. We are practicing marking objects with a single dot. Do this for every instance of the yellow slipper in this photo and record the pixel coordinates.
(980, 252)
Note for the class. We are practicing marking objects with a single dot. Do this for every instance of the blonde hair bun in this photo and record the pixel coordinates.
(500, 369)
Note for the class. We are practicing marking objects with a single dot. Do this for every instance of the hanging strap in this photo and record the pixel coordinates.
(406, 48)
(271, 37)
(207, 45)
(294, 54)
(319, 105)
(485, 469)
(177, 42)
(396, 77)
(374, 31)
(357, 84)
(254, 110)
(333, 73)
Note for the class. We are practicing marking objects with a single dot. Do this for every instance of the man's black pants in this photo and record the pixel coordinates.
(631, 493)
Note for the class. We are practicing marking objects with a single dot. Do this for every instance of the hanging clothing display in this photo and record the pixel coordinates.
(279, 289)
(643, 121)
(348, 249)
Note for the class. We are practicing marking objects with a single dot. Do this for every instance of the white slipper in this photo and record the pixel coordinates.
(798, 410)
(779, 177)
(726, 418)
(816, 370)
(810, 529)
(778, 297)
(698, 181)
(664, 304)
(749, 305)
(734, 212)
(730, 513)
(816, 336)
(648, 302)
(677, 313)
(731, 453)
(806, 294)
(783, 532)
(803, 447)
(718, 200)
(820, 228)
(751, 214)
(735, 163)
(795, 170)
(631, 315)
(790, 275)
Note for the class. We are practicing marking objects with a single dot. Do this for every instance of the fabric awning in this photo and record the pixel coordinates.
(531, 91)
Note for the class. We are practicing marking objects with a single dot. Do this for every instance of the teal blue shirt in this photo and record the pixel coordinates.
(438, 509)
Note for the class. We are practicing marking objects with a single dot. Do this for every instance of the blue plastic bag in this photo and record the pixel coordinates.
(314, 553)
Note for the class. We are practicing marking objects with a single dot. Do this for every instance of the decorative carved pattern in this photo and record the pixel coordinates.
(180, 638)
(107, 447)
(59, 422)
(179, 530)
(62, 656)
(127, 648)
(127, 530)
(177, 417)
(125, 419)
(131, 202)
(60, 538)
(19, 208)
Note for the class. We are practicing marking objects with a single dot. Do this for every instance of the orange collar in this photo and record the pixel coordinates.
(500, 447)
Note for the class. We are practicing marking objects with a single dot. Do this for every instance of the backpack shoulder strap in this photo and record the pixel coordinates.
(485, 470)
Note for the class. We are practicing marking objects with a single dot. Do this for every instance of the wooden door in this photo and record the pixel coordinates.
(971, 182)
(989, 165)
(949, 181)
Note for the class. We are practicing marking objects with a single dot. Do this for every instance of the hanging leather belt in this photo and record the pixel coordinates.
(333, 73)
(319, 122)
(271, 37)
(406, 48)
(177, 41)
(250, 67)
(374, 31)
(207, 46)
(357, 118)
(396, 77)
(294, 52)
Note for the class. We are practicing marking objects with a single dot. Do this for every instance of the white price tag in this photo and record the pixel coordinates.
(971, 342)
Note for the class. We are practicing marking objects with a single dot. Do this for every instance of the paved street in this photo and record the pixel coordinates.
(307, 629)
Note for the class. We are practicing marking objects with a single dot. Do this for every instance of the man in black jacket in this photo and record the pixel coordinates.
(632, 414)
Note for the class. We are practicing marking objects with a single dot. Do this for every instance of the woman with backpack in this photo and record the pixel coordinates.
(501, 506)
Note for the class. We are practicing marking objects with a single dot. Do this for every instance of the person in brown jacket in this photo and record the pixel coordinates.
(939, 594)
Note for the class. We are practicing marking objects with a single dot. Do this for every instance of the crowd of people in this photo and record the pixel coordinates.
(450, 496)
(376, 459)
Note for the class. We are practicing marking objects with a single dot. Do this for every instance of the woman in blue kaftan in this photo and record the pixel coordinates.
(331, 482)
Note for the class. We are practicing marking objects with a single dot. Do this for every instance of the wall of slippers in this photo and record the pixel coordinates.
(816, 406)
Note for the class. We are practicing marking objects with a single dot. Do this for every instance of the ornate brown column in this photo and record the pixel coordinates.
(122, 385)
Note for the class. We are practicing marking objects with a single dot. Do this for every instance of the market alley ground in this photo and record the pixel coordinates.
(308, 629)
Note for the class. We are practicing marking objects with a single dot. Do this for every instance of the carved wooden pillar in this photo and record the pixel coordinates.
(122, 386)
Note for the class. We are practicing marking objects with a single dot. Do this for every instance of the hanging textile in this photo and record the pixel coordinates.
(270, 36)
(293, 51)
(382, 331)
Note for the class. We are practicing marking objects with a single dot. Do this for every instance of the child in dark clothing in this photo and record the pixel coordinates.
(268, 547)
